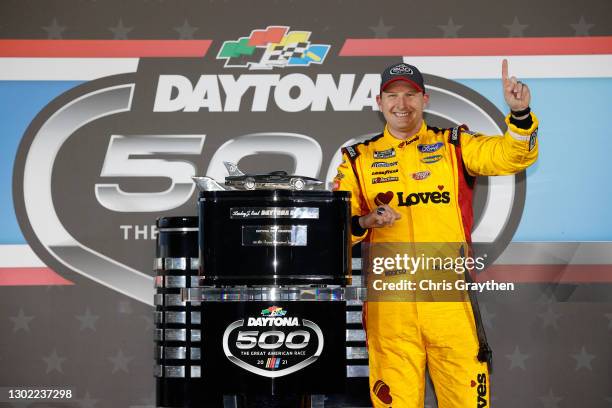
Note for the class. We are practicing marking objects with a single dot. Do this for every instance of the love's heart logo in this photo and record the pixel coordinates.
(383, 198)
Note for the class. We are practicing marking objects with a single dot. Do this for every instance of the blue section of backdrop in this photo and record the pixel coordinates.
(568, 188)
(20, 101)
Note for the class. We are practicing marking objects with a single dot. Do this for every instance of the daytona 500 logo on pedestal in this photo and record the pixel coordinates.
(273, 344)
(277, 347)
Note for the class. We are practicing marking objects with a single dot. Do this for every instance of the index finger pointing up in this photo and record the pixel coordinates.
(505, 69)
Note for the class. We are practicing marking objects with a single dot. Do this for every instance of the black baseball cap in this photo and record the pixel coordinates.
(402, 72)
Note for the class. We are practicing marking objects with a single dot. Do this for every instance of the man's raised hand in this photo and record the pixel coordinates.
(516, 93)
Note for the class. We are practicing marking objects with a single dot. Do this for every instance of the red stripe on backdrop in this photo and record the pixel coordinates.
(547, 274)
(103, 48)
(432, 47)
(31, 277)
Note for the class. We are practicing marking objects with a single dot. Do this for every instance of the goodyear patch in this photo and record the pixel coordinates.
(383, 172)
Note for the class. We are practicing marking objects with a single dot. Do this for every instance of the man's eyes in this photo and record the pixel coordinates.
(409, 95)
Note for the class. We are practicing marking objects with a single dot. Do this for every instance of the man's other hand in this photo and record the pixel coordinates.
(382, 216)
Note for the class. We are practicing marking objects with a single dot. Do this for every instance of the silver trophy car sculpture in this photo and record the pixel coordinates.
(237, 180)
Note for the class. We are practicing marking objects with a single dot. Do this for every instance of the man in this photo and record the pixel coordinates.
(413, 184)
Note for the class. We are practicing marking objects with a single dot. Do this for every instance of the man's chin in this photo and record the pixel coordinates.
(404, 128)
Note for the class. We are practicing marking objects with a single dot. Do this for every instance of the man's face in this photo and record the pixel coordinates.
(402, 106)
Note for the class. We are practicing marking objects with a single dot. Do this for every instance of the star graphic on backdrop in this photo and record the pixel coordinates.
(550, 401)
(21, 321)
(148, 322)
(450, 29)
(381, 30)
(609, 316)
(124, 307)
(515, 29)
(87, 401)
(581, 27)
(120, 361)
(486, 316)
(88, 320)
(186, 31)
(517, 359)
(120, 32)
(546, 298)
(54, 31)
(583, 359)
(54, 362)
(549, 318)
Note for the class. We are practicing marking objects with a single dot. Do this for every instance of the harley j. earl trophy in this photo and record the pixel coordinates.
(260, 317)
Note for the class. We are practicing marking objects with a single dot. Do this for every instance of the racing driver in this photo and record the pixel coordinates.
(413, 183)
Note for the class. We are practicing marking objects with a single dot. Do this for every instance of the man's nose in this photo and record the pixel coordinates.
(402, 102)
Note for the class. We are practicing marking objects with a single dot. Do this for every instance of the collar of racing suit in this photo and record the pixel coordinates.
(399, 143)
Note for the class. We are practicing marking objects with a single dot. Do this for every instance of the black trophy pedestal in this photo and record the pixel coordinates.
(265, 322)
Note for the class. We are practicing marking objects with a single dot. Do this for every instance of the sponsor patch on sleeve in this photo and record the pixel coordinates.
(456, 132)
(533, 139)
(352, 153)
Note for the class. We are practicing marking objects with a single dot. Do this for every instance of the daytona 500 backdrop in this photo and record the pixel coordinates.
(107, 110)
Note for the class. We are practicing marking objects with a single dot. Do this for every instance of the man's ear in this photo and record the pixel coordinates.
(426, 98)
(378, 100)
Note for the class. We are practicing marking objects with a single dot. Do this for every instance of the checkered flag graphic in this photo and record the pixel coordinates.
(281, 54)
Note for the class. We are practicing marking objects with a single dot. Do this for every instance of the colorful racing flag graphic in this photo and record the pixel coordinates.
(275, 46)
(273, 311)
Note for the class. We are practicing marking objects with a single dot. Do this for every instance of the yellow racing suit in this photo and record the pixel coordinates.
(428, 179)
